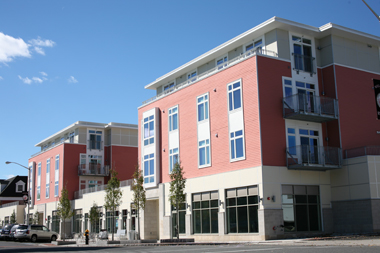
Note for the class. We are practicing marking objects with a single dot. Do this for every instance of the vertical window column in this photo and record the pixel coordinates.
(148, 130)
(47, 195)
(39, 181)
(149, 169)
(56, 176)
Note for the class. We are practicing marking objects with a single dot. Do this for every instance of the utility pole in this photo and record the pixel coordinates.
(374, 13)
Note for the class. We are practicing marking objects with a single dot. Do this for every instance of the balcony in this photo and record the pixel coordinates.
(362, 151)
(319, 158)
(79, 194)
(304, 63)
(307, 107)
(93, 169)
(216, 69)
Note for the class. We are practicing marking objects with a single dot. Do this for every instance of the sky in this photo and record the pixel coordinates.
(68, 61)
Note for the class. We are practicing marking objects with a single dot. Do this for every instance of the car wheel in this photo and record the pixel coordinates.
(53, 238)
(34, 238)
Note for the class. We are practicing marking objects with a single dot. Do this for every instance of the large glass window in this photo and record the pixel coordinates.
(222, 62)
(182, 219)
(148, 130)
(205, 212)
(173, 158)
(95, 164)
(86, 219)
(169, 86)
(95, 139)
(192, 76)
(55, 222)
(301, 208)
(125, 217)
(38, 181)
(173, 119)
(112, 221)
(202, 102)
(204, 153)
(47, 178)
(71, 137)
(77, 226)
(56, 176)
(303, 59)
(149, 168)
(237, 144)
(234, 96)
(242, 205)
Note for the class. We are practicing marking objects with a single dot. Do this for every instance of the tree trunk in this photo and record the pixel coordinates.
(113, 220)
(138, 224)
(177, 221)
(64, 229)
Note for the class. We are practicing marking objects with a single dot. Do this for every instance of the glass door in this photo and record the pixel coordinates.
(309, 146)
(306, 96)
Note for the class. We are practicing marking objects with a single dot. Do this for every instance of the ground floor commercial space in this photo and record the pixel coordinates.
(258, 203)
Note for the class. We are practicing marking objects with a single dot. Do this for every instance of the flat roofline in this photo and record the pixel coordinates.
(266, 26)
(87, 124)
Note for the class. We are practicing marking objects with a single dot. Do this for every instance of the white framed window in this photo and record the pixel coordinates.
(47, 195)
(204, 153)
(202, 107)
(149, 171)
(95, 139)
(169, 86)
(173, 118)
(38, 192)
(221, 62)
(38, 181)
(192, 76)
(56, 176)
(149, 130)
(20, 186)
(302, 53)
(237, 145)
(234, 96)
(255, 45)
(173, 158)
(71, 137)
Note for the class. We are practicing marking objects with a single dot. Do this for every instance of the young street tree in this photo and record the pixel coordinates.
(139, 196)
(64, 209)
(113, 196)
(177, 190)
(36, 217)
(13, 217)
(94, 216)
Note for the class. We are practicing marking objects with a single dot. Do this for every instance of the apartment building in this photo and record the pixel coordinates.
(79, 158)
(278, 133)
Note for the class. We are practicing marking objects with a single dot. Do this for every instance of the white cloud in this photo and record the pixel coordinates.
(9, 176)
(37, 79)
(1, 78)
(11, 48)
(43, 73)
(25, 80)
(72, 80)
(39, 50)
(41, 43)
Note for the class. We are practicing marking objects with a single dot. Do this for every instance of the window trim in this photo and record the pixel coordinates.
(170, 118)
(253, 44)
(208, 107)
(192, 78)
(56, 179)
(170, 158)
(205, 146)
(154, 170)
(241, 96)
(234, 138)
(223, 64)
(168, 85)
(143, 130)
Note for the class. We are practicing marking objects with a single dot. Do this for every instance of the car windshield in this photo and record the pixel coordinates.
(22, 227)
(8, 227)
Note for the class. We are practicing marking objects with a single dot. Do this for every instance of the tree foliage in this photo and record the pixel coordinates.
(113, 196)
(36, 218)
(64, 209)
(94, 215)
(177, 190)
(13, 217)
(139, 194)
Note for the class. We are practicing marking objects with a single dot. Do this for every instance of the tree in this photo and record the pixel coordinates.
(36, 218)
(64, 208)
(13, 217)
(139, 196)
(94, 215)
(176, 191)
(113, 196)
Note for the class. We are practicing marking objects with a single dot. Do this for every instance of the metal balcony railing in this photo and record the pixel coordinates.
(307, 157)
(93, 169)
(216, 69)
(15, 203)
(362, 151)
(95, 144)
(79, 194)
(304, 63)
(308, 107)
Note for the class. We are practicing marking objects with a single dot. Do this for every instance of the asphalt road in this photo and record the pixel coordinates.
(232, 248)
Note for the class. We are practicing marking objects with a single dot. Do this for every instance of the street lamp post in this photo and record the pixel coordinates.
(7, 162)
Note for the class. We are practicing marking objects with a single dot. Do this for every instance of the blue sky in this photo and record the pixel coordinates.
(64, 61)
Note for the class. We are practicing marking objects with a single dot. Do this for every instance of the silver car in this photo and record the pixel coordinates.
(34, 233)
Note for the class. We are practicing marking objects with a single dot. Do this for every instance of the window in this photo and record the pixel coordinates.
(169, 86)
(98, 224)
(112, 221)
(255, 45)
(77, 226)
(222, 62)
(148, 130)
(125, 217)
(39, 181)
(55, 222)
(94, 183)
(234, 96)
(205, 212)
(182, 219)
(71, 137)
(95, 165)
(173, 158)
(47, 194)
(204, 153)
(56, 176)
(237, 144)
(301, 208)
(202, 103)
(149, 169)
(38, 192)
(192, 76)
(95, 139)
(39, 169)
(302, 52)
(292, 141)
(173, 118)
(20, 188)
(86, 219)
(242, 205)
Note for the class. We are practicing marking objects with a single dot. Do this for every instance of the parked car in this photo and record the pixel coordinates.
(12, 232)
(34, 233)
(6, 230)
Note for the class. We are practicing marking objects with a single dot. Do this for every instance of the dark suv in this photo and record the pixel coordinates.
(6, 231)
